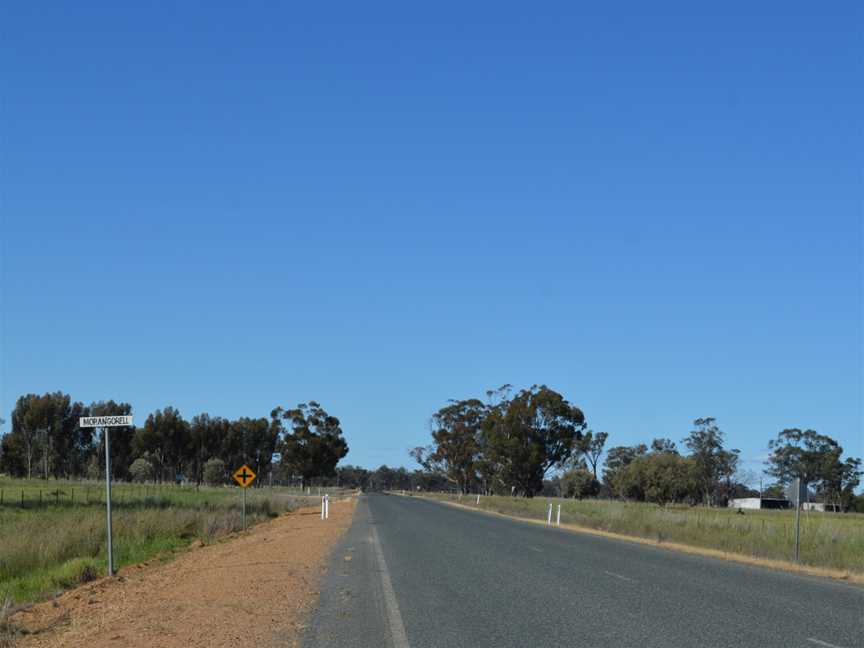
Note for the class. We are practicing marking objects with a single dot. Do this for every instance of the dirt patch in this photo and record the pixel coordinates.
(255, 590)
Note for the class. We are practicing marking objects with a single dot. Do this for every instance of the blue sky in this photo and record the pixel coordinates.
(654, 208)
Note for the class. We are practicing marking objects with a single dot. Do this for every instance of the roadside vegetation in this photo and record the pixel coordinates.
(535, 442)
(8, 632)
(48, 547)
(294, 446)
(521, 451)
(170, 476)
(828, 540)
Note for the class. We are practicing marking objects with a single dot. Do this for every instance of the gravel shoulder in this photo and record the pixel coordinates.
(258, 588)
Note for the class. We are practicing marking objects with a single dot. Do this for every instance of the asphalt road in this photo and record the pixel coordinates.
(416, 573)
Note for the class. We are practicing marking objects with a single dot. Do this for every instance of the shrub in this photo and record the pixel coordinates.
(141, 470)
(579, 482)
(660, 478)
(214, 472)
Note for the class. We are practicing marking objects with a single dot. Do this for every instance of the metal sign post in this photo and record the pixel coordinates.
(798, 531)
(244, 476)
(797, 493)
(105, 423)
(108, 497)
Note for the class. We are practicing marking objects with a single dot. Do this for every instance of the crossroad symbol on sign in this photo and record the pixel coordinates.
(244, 476)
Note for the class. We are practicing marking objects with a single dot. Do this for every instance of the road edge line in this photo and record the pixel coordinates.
(394, 617)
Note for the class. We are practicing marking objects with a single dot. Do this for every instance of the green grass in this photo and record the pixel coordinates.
(34, 493)
(828, 540)
(53, 546)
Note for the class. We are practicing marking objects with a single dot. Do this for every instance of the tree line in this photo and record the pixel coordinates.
(537, 442)
(295, 444)
(385, 478)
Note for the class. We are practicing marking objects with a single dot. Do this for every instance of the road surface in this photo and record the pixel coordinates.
(416, 573)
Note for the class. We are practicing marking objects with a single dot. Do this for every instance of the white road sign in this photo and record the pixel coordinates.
(104, 421)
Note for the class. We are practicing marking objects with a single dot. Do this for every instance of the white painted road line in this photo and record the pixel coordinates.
(614, 575)
(535, 549)
(819, 642)
(394, 617)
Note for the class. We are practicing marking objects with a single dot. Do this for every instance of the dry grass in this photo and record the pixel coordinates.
(7, 630)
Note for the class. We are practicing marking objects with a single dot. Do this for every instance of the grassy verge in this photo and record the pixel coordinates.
(831, 541)
(51, 547)
(36, 493)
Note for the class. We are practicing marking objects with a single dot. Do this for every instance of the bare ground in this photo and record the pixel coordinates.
(255, 590)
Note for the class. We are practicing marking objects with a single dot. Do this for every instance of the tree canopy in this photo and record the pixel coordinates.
(313, 444)
(507, 445)
(46, 440)
(817, 460)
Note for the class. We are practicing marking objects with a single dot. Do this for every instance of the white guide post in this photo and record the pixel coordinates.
(549, 514)
(558, 521)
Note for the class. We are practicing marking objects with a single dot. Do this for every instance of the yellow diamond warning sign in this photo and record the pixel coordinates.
(244, 476)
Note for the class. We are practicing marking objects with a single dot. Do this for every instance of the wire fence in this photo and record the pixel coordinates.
(69, 495)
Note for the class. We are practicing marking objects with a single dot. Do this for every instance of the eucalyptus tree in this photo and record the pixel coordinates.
(205, 441)
(456, 432)
(121, 441)
(663, 446)
(715, 465)
(818, 460)
(528, 435)
(45, 437)
(591, 448)
(309, 439)
(165, 436)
